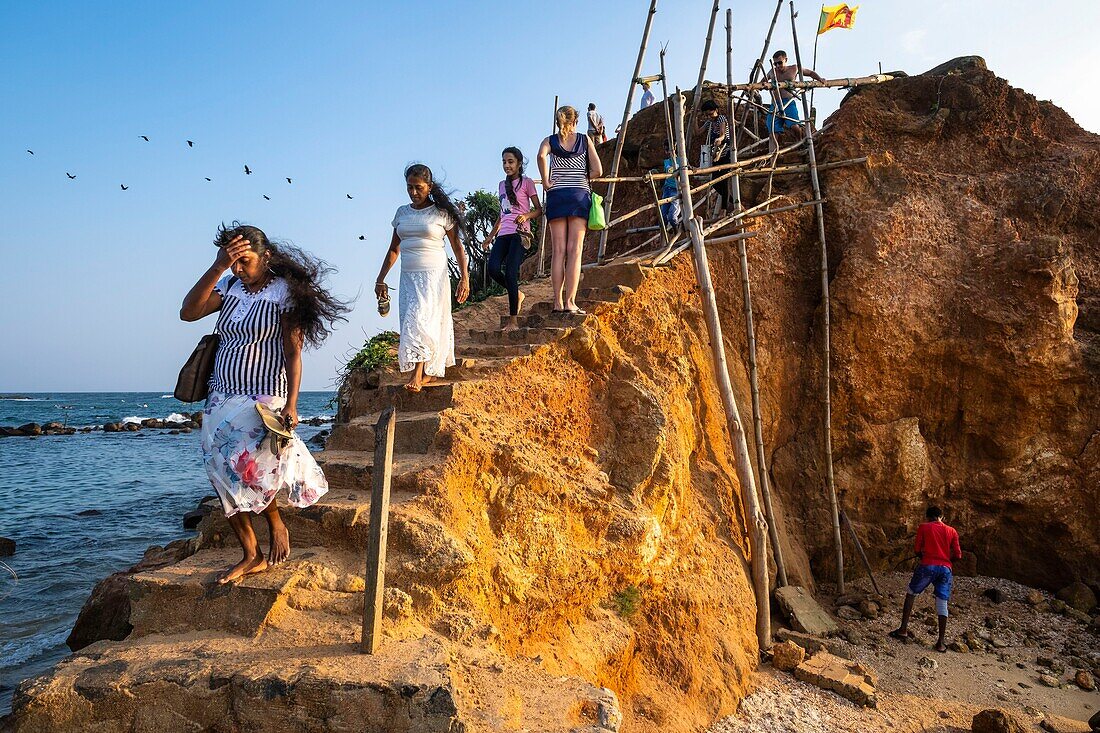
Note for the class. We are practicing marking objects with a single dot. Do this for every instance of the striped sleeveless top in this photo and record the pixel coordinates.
(569, 168)
(250, 359)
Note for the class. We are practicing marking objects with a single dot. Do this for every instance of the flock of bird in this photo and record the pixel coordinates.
(191, 144)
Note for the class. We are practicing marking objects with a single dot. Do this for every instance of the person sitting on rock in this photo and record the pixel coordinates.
(272, 305)
(936, 546)
(783, 113)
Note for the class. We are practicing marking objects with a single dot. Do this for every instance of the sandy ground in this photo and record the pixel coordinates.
(921, 690)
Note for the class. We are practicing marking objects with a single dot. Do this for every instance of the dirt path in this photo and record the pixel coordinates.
(921, 690)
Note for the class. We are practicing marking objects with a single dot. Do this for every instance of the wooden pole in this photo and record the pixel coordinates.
(826, 366)
(668, 112)
(750, 332)
(859, 549)
(697, 98)
(620, 139)
(660, 214)
(544, 223)
(757, 524)
(377, 531)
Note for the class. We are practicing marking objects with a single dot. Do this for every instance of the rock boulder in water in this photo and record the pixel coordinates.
(7, 547)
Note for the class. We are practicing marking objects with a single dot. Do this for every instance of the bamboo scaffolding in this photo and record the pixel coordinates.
(734, 218)
(826, 366)
(697, 97)
(750, 333)
(700, 171)
(758, 66)
(840, 83)
(544, 223)
(660, 214)
(757, 525)
(781, 209)
(859, 549)
(783, 170)
(739, 237)
(620, 139)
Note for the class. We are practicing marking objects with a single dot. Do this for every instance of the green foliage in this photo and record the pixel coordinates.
(378, 351)
(626, 602)
(481, 209)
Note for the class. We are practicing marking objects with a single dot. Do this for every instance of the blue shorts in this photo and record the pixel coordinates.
(941, 579)
(787, 120)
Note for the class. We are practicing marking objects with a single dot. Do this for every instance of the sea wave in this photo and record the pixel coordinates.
(166, 396)
(176, 417)
(24, 399)
(20, 651)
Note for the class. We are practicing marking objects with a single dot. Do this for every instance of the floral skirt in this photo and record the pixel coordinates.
(427, 331)
(239, 461)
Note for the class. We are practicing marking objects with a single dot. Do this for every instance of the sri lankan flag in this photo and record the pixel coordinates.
(836, 16)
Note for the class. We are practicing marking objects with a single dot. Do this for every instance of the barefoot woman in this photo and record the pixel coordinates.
(271, 305)
(427, 345)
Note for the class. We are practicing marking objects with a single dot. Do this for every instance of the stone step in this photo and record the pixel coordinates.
(533, 336)
(413, 433)
(186, 597)
(504, 352)
(435, 397)
(545, 310)
(608, 276)
(537, 320)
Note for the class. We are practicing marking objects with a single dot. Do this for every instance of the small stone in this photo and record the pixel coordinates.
(999, 643)
(1049, 680)
(1084, 680)
(1034, 597)
(1079, 596)
(869, 609)
(994, 594)
(958, 646)
(396, 603)
(853, 636)
(944, 714)
(787, 655)
(928, 663)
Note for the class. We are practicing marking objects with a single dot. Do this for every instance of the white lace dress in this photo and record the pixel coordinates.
(424, 293)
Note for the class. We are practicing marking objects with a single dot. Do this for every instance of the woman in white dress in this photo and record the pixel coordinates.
(427, 344)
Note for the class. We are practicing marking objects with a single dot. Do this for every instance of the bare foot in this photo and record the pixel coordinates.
(245, 567)
(519, 302)
(279, 550)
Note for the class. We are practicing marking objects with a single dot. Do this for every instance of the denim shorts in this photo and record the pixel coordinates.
(939, 576)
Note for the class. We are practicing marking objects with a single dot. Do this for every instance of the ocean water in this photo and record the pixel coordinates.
(132, 487)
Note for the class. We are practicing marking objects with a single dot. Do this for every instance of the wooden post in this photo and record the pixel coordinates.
(544, 224)
(621, 137)
(697, 99)
(757, 524)
(750, 331)
(377, 531)
(826, 366)
(660, 215)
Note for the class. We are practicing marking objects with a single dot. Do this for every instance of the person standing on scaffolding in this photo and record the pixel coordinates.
(715, 129)
(783, 113)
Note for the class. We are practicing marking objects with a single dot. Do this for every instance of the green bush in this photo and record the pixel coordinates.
(378, 351)
(626, 602)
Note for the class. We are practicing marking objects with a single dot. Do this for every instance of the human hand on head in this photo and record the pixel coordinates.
(232, 252)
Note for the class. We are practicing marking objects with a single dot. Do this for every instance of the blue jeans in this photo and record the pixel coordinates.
(941, 580)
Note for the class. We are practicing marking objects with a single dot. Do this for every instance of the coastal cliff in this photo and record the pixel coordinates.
(567, 546)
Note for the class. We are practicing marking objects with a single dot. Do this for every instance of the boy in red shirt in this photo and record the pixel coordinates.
(936, 545)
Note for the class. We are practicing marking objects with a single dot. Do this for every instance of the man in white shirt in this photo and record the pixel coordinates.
(595, 125)
(647, 96)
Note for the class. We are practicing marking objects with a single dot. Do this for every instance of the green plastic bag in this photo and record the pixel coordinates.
(596, 219)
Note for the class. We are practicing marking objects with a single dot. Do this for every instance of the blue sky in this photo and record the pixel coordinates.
(340, 96)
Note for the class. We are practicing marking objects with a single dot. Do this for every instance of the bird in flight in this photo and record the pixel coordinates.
(349, 195)
(70, 175)
(289, 181)
(124, 186)
(247, 170)
(190, 144)
(209, 179)
(362, 238)
(266, 197)
(31, 152)
(144, 137)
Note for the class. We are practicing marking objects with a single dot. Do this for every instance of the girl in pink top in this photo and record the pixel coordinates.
(519, 204)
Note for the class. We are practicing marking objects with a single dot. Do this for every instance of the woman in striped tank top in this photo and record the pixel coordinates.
(271, 306)
(566, 161)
